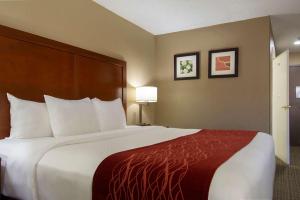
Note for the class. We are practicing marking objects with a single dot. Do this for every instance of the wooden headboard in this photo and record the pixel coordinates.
(31, 66)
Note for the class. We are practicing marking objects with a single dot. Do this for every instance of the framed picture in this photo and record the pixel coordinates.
(186, 66)
(223, 63)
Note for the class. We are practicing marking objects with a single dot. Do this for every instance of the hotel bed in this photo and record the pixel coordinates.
(60, 168)
(63, 168)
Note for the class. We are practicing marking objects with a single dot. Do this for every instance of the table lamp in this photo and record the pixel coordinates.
(145, 95)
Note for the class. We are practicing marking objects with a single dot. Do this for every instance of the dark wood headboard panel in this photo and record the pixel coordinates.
(31, 66)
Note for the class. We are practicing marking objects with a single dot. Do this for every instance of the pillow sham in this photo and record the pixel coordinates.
(28, 119)
(71, 117)
(110, 114)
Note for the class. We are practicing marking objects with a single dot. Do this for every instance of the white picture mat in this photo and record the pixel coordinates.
(298, 92)
(193, 58)
(232, 63)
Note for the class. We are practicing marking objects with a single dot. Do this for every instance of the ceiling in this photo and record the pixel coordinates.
(286, 29)
(165, 16)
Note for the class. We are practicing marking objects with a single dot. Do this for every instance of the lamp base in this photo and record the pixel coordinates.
(141, 123)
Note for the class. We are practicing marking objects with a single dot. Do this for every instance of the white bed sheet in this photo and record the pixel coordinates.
(63, 168)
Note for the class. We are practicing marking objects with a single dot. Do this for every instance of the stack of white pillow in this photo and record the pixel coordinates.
(59, 117)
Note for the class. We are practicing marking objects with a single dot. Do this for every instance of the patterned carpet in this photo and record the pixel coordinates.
(287, 178)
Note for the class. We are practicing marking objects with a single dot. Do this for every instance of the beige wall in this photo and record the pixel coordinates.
(295, 58)
(223, 103)
(238, 103)
(85, 24)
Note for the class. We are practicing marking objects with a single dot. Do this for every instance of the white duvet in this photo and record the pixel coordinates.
(63, 168)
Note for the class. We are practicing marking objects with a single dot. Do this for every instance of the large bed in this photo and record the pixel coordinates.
(63, 168)
(60, 168)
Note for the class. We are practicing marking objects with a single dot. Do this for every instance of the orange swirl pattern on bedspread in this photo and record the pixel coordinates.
(178, 169)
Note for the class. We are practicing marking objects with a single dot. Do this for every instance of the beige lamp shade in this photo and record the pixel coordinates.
(146, 94)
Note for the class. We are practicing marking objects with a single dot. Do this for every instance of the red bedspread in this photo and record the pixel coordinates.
(181, 168)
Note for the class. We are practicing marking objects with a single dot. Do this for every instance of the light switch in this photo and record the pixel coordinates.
(298, 92)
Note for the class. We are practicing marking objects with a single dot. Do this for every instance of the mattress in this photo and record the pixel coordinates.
(63, 168)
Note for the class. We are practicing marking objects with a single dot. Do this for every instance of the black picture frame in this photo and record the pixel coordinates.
(197, 75)
(236, 59)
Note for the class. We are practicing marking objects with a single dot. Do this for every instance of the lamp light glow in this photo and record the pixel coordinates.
(297, 42)
(146, 94)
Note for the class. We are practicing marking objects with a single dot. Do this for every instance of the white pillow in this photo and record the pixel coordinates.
(110, 114)
(71, 117)
(28, 119)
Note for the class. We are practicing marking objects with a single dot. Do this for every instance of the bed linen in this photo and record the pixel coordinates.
(71, 117)
(179, 169)
(28, 119)
(110, 114)
(63, 168)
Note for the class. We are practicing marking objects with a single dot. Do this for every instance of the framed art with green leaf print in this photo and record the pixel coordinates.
(186, 66)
